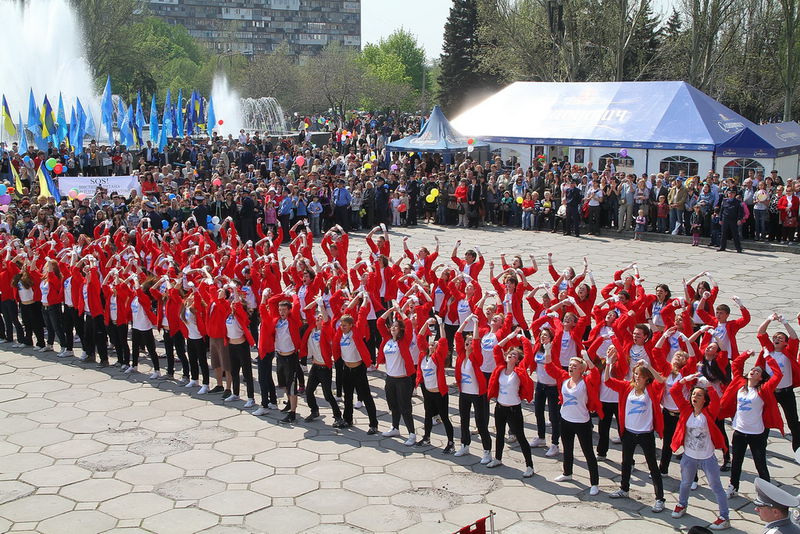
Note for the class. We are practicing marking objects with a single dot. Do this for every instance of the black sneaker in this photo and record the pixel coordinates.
(424, 442)
(311, 417)
(449, 448)
(372, 430)
(102, 363)
(338, 423)
(290, 418)
(227, 393)
(726, 466)
(286, 407)
(217, 389)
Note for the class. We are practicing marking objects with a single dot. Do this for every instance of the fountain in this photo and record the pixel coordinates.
(263, 114)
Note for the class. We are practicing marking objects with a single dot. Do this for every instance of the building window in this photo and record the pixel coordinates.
(613, 158)
(740, 168)
(675, 164)
(579, 155)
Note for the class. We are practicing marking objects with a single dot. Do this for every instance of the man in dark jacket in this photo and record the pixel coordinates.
(731, 217)
(573, 199)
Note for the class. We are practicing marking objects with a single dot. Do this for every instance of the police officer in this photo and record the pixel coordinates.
(573, 198)
(731, 217)
(772, 505)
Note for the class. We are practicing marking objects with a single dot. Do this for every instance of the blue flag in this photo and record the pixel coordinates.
(153, 121)
(139, 121)
(72, 134)
(62, 130)
(201, 113)
(35, 123)
(23, 136)
(212, 119)
(190, 115)
(107, 112)
(124, 124)
(166, 121)
(46, 182)
(179, 113)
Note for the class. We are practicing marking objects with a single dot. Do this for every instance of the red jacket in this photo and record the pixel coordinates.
(360, 335)
(404, 343)
(685, 408)
(654, 390)
(439, 357)
(476, 357)
(592, 381)
(525, 382)
(731, 326)
(473, 269)
(790, 352)
(729, 402)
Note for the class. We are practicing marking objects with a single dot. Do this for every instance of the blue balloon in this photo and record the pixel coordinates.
(3, 189)
(164, 223)
(172, 196)
(208, 218)
(26, 159)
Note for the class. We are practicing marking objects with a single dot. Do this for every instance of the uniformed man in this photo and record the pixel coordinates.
(772, 505)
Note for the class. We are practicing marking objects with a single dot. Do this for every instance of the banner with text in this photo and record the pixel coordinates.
(89, 184)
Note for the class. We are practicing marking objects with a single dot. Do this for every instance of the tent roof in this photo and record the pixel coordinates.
(669, 115)
(437, 135)
(765, 140)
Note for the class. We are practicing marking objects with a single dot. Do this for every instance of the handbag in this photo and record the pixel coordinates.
(562, 211)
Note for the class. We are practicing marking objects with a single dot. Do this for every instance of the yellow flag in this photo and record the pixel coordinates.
(17, 181)
(44, 190)
(8, 123)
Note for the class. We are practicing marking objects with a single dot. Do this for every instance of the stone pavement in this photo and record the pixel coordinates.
(89, 451)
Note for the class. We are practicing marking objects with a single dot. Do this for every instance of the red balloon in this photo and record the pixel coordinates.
(58, 169)
(402, 208)
(470, 141)
(220, 121)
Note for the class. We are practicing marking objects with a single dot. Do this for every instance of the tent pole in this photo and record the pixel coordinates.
(647, 160)
(530, 164)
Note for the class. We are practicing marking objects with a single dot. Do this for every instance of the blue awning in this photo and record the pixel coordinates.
(437, 135)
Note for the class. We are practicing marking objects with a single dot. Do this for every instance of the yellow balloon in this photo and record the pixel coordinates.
(373, 157)
(519, 200)
(429, 199)
(410, 153)
(368, 166)
(435, 192)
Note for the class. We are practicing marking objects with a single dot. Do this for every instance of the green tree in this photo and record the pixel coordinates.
(403, 44)
(388, 86)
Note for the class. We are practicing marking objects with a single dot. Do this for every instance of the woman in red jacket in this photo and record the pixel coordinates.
(471, 382)
(546, 350)
(30, 307)
(510, 384)
(193, 317)
(640, 419)
(750, 401)
(51, 289)
(433, 382)
(169, 294)
(239, 339)
(118, 295)
(395, 353)
(316, 344)
(143, 320)
(699, 437)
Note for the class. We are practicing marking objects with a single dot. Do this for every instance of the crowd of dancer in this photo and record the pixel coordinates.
(320, 318)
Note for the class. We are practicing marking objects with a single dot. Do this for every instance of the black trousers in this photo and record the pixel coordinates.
(647, 441)
(265, 381)
(355, 379)
(511, 415)
(758, 448)
(398, 396)
(450, 334)
(730, 227)
(786, 399)
(11, 320)
(610, 411)
(175, 343)
(584, 433)
(96, 339)
(32, 323)
(55, 324)
(321, 375)
(572, 221)
(287, 367)
(594, 220)
(240, 359)
(144, 339)
(73, 324)
(726, 456)
(670, 423)
(436, 404)
(198, 360)
(547, 394)
(466, 403)
(119, 336)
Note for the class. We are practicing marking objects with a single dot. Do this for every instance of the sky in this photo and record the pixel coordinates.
(423, 18)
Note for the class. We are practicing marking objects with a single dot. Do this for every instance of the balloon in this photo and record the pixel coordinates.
(470, 141)
(215, 219)
(305, 125)
(58, 169)
(208, 218)
(373, 157)
(429, 199)
(435, 192)
(11, 191)
(470, 148)
(3, 189)
(164, 224)
(402, 208)
(519, 200)
(623, 153)
(72, 194)
(26, 159)
(217, 182)
(5, 199)
(321, 120)
(394, 167)
(81, 196)
(64, 167)
(300, 161)
(410, 153)
(171, 196)
(50, 163)
(220, 122)
(4, 208)
(368, 166)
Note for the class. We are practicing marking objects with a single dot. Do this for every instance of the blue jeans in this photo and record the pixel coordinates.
(675, 216)
(761, 217)
(526, 220)
(710, 467)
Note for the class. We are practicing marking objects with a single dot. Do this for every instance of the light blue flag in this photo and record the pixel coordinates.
(62, 129)
(125, 136)
(153, 121)
(166, 121)
(35, 123)
(190, 115)
(107, 109)
(23, 136)
(179, 113)
(212, 119)
(72, 135)
(139, 121)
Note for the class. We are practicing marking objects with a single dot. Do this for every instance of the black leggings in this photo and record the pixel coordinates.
(786, 399)
(198, 361)
(175, 343)
(265, 382)
(321, 375)
(513, 416)
(144, 339)
(479, 403)
(647, 441)
(73, 324)
(758, 448)
(436, 404)
(726, 456)
(398, 391)
(95, 338)
(547, 394)
(240, 359)
(670, 423)
(584, 432)
(119, 333)
(11, 320)
(610, 411)
(55, 324)
(355, 379)
(32, 321)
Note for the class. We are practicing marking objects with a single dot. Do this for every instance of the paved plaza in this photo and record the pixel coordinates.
(86, 451)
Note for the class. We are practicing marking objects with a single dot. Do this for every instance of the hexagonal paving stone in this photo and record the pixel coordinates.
(284, 486)
(110, 460)
(144, 394)
(376, 484)
(467, 483)
(209, 412)
(113, 386)
(42, 386)
(418, 469)
(332, 501)
(212, 434)
(11, 490)
(135, 413)
(369, 456)
(239, 446)
(521, 499)
(240, 472)
(136, 505)
(14, 379)
(427, 499)
(199, 459)
(57, 414)
(330, 470)
(103, 404)
(95, 490)
(181, 521)
(286, 457)
(21, 462)
(329, 444)
(429, 527)
(74, 448)
(468, 513)
(149, 474)
(329, 528)
(83, 521)
(237, 502)
(193, 488)
(35, 508)
(159, 447)
(14, 424)
(8, 448)
(76, 395)
(56, 475)
(176, 403)
(39, 437)
(581, 515)
(243, 422)
(123, 436)
(9, 394)
(383, 517)
(282, 519)
(90, 425)
(169, 423)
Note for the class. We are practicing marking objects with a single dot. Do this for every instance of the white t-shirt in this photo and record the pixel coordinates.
(574, 407)
(488, 343)
(395, 365)
(721, 333)
(568, 350)
(697, 442)
(44, 287)
(25, 293)
(541, 373)
(638, 412)
(68, 291)
(85, 290)
(469, 382)
(637, 354)
(786, 368)
(428, 367)
(508, 389)
(190, 321)
(348, 348)
(140, 320)
(607, 394)
(314, 349)
(233, 330)
(464, 310)
(283, 339)
(666, 399)
(749, 418)
(112, 307)
(656, 315)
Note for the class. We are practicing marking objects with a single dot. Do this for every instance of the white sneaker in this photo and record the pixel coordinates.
(39, 349)
(538, 442)
(48, 348)
(528, 473)
(437, 420)
(203, 390)
(616, 441)
(17, 345)
(487, 457)
(411, 441)
(130, 370)
(155, 375)
(390, 433)
(261, 411)
(250, 403)
(463, 451)
(359, 404)
(619, 494)
(232, 398)
(594, 490)
(562, 478)
(658, 507)
(511, 438)
(192, 384)
(494, 463)
(123, 367)
(65, 354)
(694, 486)
(272, 406)
(730, 491)
(554, 450)
(372, 368)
